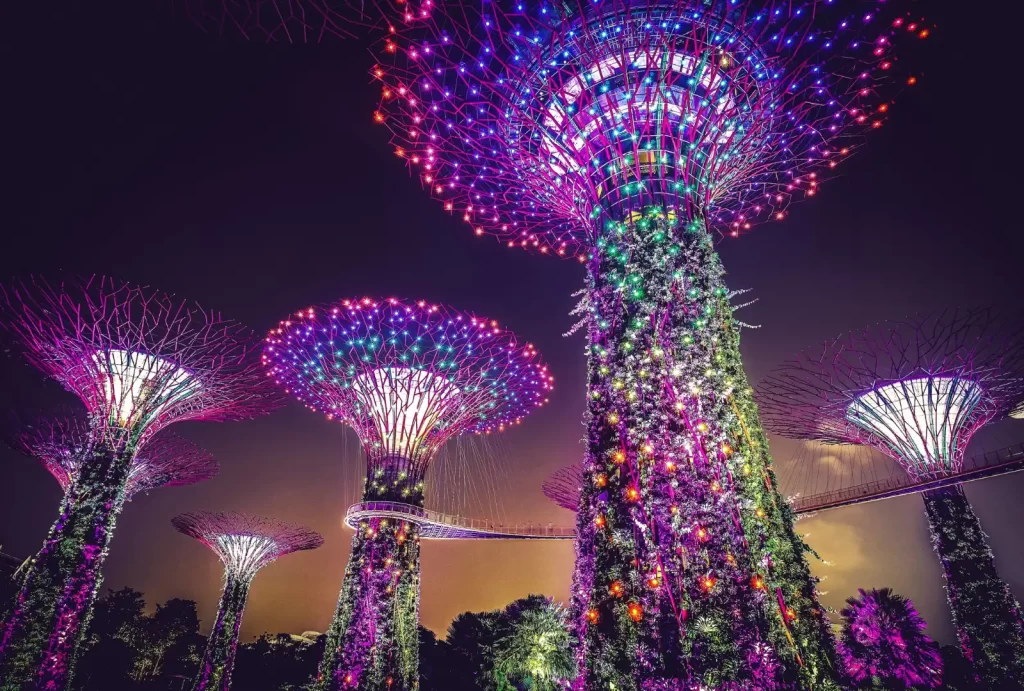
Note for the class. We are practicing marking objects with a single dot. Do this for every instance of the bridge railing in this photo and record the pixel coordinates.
(976, 467)
(461, 523)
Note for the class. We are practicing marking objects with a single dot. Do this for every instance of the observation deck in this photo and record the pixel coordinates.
(441, 526)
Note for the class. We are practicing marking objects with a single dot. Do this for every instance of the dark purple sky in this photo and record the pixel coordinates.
(251, 179)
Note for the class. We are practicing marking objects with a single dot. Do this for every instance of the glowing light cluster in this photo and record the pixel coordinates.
(920, 420)
(915, 389)
(538, 122)
(407, 377)
(137, 386)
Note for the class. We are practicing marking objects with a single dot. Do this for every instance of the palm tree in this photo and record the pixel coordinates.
(884, 646)
(534, 652)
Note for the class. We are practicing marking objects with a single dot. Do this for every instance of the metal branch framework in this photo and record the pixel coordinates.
(279, 21)
(915, 389)
(62, 442)
(564, 485)
(245, 543)
(539, 121)
(138, 359)
(407, 377)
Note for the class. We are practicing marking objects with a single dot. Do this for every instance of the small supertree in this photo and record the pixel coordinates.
(407, 377)
(245, 543)
(139, 360)
(62, 442)
(917, 390)
(564, 486)
(884, 645)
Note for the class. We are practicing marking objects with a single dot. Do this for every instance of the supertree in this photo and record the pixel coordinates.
(61, 442)
(407, 377)
(245, 543)
(564, 487)
(139, 360)
(917, 390)
(884, 641)
(623, 133)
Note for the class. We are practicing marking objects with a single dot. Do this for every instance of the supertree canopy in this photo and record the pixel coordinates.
(407, 377)
(62, 442)
(245, 543)
(564, 486)
(884, 641)
(917, 390)
(623, 133)
(139, 360)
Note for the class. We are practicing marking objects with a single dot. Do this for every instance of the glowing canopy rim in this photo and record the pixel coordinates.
(920, 421)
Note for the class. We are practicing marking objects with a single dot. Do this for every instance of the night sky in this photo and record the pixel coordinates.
(251, 179)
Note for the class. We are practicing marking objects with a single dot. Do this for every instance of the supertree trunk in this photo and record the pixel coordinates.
(373, 642)
(689, 571)
(47, 620)
(219, 658)
(986, 615)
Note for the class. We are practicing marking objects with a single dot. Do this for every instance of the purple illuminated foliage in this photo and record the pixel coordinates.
(139, 360)
(245, 544)
(407, 377)
(883, 640)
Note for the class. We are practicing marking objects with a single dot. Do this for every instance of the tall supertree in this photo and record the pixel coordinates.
(407, 377)
(624, 133)
(139, 360)
(917, 390)
(61, 442)
(884, 645)
(245, 543)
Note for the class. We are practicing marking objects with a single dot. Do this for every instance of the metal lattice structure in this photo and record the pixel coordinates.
(245, 543)
(277, 21)
(407, 377)
(563, 486)
(916, 390)
(538, 122)
(62, 442)
(139, 360)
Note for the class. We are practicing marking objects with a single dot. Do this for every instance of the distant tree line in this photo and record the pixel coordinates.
(523, 646)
